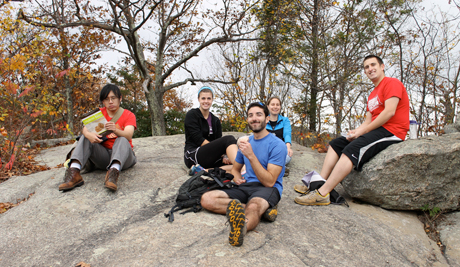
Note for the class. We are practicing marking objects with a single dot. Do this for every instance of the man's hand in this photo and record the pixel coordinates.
(239, 179)
(246, 148)
(353, 134)
(93, 137)
(110, 125)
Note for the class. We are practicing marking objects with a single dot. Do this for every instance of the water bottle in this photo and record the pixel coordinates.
(413, 129)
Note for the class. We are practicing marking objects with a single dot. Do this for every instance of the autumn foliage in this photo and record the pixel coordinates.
(36, 80)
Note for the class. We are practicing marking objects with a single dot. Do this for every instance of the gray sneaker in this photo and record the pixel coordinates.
(312, 199)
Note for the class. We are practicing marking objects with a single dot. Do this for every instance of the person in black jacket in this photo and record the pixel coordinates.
(204, 144)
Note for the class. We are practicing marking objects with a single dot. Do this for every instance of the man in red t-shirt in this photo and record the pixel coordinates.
(387, 122)
(113, 152)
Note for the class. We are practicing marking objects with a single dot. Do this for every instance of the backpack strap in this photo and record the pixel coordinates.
(196, 208)
(117, 114)
(170, 214)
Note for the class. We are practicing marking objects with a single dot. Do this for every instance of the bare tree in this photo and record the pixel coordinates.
(179, 34)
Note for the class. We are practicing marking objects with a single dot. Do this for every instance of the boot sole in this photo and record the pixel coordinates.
(111, 188)
(302, 192)
(237, 220)
(316, 204)
(70, 188)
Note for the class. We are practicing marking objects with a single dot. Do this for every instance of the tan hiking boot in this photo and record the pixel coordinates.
(111, 179)
(72, 179)
(312, 199)
(303, 189)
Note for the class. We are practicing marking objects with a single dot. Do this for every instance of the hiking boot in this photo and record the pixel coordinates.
(303, 189)
(313, 198)
(111, 179)
(237, 220)
(286, 171)
(72, 179)
(195, 169)
(271, 213)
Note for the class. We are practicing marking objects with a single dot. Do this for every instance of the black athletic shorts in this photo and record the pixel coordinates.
(246, 191)
(365, 147)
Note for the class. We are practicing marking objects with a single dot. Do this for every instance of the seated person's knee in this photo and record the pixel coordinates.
(206, 199)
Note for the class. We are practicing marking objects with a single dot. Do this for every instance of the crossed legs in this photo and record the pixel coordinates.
(217, 201)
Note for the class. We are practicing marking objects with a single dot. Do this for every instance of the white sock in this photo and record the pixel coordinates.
(116, 166)
(75, 165)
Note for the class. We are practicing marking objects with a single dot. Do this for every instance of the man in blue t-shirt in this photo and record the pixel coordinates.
(259, 192)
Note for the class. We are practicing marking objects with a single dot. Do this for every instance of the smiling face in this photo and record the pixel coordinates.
(205, 99)
(256, 119)
(274, 106)
(374, 70)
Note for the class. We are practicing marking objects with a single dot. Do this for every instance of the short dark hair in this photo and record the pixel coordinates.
(260, 105)
(374, 56)
(105, 91)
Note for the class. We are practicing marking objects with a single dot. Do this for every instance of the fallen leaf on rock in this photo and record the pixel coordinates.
(82, 264)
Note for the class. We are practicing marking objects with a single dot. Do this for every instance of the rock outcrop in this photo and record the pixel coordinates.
(127, 228)
(411, 174)
(452, 128)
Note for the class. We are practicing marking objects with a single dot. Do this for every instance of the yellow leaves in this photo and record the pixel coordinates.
(17, 62)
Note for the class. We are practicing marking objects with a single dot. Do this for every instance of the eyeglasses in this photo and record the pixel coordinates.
(112, 99)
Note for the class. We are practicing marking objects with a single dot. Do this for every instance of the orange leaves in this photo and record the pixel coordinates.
(36, 114)
(27, 90)
(12, 88)
(10, 163)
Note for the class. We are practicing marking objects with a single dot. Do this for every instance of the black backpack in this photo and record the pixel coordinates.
(190, 191)
(334, 195)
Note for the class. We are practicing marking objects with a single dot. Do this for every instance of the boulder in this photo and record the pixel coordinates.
(453, 127)
(449, 229)
(127, 228)
(411, 175)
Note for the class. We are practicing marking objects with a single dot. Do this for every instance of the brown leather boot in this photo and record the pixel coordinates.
(72, 179)
(111, 179)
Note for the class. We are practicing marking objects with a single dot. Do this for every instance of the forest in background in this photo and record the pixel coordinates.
(309, 53)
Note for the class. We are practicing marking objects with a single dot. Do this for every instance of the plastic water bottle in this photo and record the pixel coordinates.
(413, 129)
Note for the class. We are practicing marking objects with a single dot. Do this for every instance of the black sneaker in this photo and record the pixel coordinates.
(271, 213)
(237, 220)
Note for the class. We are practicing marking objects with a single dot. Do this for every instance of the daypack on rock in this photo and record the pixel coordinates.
(190, 192)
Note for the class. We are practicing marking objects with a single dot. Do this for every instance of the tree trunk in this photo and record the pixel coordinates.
(155, 105)
(314, 68)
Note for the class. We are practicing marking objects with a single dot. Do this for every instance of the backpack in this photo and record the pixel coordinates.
(190, 192)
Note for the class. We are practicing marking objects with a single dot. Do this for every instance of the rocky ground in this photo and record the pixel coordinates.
(92, 225)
